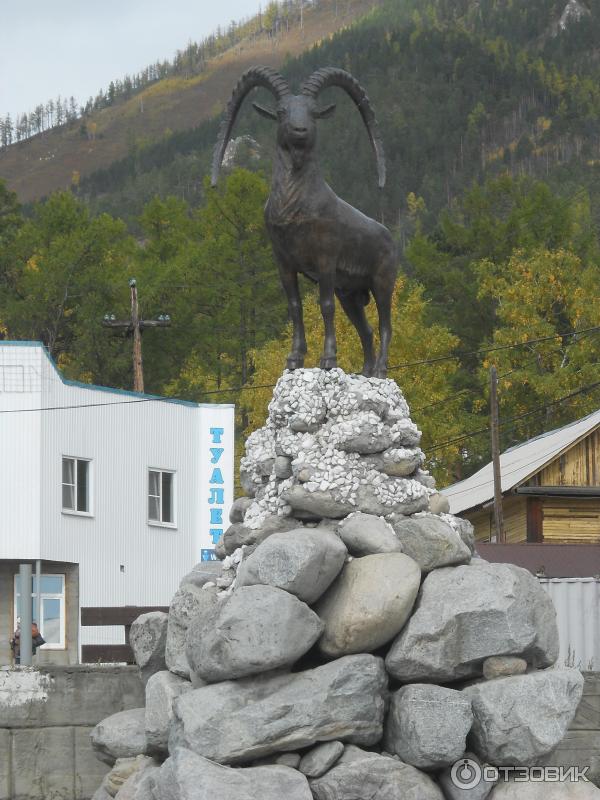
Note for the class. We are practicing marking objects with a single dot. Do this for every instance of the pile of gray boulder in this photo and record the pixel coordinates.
(350, 644)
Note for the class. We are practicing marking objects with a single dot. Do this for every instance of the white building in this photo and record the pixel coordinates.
(117, 494)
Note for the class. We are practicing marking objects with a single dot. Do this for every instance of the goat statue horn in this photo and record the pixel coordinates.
(331, 76)
(255, 76)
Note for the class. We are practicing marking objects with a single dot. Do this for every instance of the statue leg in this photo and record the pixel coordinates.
(355, 311)
(289, 279)
(383, 298)
(327, 303)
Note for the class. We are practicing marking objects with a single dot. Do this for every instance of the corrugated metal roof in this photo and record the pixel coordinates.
(81, 385)
(517, 464)
(547, 560)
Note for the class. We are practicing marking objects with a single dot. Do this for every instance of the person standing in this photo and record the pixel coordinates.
(36, 638)
(36, 641)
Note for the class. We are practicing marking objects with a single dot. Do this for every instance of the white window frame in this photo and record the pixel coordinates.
(90, 487)
(158, 522)
(45, 596)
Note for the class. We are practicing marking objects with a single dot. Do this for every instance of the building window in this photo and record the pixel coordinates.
(160, 496)
(52, 608)
(76, 485)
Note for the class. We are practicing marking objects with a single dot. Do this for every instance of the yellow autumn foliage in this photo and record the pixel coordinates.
(427, 387)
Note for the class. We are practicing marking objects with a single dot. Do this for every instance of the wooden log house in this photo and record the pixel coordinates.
(550, 488)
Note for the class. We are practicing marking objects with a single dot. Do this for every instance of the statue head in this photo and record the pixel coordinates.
(297, 115)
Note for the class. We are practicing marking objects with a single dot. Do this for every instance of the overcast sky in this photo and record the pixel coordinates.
(76, 47)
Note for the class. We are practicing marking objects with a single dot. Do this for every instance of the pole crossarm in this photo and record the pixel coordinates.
(126, 324)
(134, 327)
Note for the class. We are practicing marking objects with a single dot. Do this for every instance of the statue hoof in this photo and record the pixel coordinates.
(367, 370)
(294, 363)
(328, 363)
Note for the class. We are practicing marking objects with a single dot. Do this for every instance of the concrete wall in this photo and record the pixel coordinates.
(46, 716)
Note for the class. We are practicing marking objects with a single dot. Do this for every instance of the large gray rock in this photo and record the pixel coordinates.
(238, 534)
(518, 720)
(353, 753)
(368, 604)
(161, 691)
(465, 614)
(427, 725)
(258, 628)
(122, 735)
(303, 562)
(188, 603)
(283, 467)
(320, 759)
(545, 790)
(123, 769)
(366, 534)
(101, 793)
(362, 433)
(377, 778)
(318, 503)
(148, 639)
(187, 776)
(282, 759)
(238, 509)
(439, 504)
(397, 462)
(236, 722)
(369, 502)
(202, 573)
(140, 785)
(465, 529)
(431, 542)
(466, 779)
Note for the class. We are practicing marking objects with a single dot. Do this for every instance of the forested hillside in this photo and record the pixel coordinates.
(490, 115)
(59, 142)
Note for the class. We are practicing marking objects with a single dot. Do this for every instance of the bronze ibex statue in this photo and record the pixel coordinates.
(312, 230)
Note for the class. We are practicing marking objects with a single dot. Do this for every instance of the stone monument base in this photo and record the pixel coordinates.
(351, 644)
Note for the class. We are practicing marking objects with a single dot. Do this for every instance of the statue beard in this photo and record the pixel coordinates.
(298, 156)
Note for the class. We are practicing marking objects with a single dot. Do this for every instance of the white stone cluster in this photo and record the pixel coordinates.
(340, 434)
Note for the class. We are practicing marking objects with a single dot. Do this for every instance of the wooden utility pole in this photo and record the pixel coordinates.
(498, 516)
(134, 327)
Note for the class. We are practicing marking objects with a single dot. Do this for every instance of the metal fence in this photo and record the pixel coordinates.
(577, 603)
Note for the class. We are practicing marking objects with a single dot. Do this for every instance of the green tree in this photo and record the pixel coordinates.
(65, 275)
(490, 222)
(235, 288)
(428, 389)
(11, 220)
(545, 293)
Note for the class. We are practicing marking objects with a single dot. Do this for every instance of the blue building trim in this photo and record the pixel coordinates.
(111, 390)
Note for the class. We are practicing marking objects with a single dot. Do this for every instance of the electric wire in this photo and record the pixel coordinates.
(539, 410)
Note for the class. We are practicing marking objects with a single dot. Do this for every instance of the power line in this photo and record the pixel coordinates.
(400, 366)
(538, 410)
(435, 360)
(462, 353)
(443, 400)
(88, 405)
